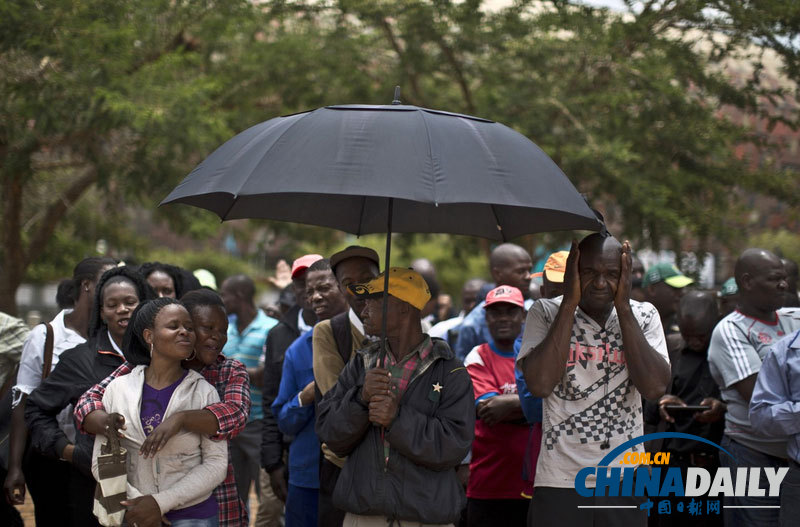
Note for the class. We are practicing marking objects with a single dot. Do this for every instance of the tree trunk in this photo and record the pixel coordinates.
(12, 258)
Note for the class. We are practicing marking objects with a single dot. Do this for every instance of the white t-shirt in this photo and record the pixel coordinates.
(738, 345)
(595, 400)
(31, 363)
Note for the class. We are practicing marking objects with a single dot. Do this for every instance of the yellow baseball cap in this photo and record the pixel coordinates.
(404, 284)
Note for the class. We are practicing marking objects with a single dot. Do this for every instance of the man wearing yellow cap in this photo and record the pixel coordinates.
(404, 426)
(553, 274)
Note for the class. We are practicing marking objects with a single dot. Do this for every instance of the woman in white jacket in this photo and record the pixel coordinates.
(180, 478)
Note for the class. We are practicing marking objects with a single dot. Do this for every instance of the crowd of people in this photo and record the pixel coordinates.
(155, 398)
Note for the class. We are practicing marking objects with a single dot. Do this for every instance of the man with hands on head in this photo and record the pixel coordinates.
(403, 425)
(589, 355)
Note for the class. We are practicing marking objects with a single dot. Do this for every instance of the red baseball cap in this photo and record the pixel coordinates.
(303, 263)
(507, 294)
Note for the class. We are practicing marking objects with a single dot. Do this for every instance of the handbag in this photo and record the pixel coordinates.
(112, 482)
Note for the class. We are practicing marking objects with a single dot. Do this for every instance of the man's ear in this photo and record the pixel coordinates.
(747, 280)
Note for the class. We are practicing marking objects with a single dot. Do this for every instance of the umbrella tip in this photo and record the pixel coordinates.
(397, 95)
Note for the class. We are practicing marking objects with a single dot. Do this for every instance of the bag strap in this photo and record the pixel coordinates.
(340, 325)
(48, 351)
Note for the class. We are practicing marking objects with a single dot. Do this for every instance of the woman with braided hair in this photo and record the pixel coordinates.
(46, 478)
(177, 480)
(117, 294)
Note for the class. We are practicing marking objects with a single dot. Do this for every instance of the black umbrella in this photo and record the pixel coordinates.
(396, 168)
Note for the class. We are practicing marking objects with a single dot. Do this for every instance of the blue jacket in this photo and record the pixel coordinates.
(295, 420)
(531, 406)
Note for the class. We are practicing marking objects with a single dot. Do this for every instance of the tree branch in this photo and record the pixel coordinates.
(459, 72)
(55, 212)
(410, 73)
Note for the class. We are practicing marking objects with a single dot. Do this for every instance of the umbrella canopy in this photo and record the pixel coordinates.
(339, 167)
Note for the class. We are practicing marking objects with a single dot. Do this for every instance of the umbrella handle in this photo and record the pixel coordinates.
(385, 307)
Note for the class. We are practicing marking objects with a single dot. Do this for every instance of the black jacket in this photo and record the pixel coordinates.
(430, 436)
(77, 370)
(278, 341)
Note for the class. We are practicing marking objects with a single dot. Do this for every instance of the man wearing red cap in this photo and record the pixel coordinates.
(496, 490)
(297, 321)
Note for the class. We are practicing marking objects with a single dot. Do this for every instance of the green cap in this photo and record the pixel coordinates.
(729, 287)
(666, 272)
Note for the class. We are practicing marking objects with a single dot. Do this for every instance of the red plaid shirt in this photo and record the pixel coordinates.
(230, 378)
(402, 373)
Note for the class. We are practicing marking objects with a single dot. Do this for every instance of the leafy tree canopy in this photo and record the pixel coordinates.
(104, 106)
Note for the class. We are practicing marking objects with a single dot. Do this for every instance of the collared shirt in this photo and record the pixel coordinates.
(229, 377)
(355, 321)
(775, 404)
(402, 372)
(738, 345)
(29, 375)
(114, 345)
(13, 333)
(248, 347)
(301, 323)
(441, 329)
(595, 402)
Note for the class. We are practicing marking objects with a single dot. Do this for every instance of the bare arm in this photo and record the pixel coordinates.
(544, 367)
(500, 409)
(745, 387)
(14, 484)
(648, 370)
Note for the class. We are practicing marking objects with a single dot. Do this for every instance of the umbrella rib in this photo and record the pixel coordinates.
(497, 222)
(264, 155)
(430, 155)
(361, 215)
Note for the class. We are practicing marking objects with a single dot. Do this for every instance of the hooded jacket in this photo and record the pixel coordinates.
(189, 467)
(429, 437)
(77, 370)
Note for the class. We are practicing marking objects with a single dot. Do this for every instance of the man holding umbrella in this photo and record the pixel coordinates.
(404, 426)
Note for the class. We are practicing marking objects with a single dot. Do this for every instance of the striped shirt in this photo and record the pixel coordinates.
(13, 333)
(247, 347)
(738, 345)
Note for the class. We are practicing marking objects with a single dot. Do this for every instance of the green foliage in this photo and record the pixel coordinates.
(120, 100)
(781, 242)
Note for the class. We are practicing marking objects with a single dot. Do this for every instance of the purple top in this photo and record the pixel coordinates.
(154, 406)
